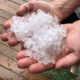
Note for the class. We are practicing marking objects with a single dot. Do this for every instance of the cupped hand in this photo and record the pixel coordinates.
(31, 6)
(71, 53)
(72, 50)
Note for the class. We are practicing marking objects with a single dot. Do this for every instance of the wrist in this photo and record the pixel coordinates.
(56, 11)
(65, 7)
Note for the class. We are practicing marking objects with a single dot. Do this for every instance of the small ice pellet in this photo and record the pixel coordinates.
(42, 34)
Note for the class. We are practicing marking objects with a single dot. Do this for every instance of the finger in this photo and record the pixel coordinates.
(67, 61)
(7, 24)
(27, 7)
(13, 41)
(20, 55)
(38, 68)
(4, 36)
(26, 62)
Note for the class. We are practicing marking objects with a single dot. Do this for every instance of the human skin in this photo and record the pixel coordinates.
(71, 51)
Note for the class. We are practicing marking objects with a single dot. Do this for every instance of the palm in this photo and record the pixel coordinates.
(73, 37)
(72, 50)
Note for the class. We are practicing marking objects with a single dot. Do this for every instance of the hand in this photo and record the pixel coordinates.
(72, 50)
(31, 6)
(71, 53)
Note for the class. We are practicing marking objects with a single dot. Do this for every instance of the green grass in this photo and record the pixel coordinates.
(63, 74)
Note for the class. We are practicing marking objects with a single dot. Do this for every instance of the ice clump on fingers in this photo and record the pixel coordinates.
(42, 34)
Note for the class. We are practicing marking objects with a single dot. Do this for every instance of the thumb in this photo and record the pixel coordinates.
(24, 8)
(68, 61)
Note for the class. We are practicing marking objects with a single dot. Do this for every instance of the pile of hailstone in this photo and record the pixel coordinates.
(42, 34)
